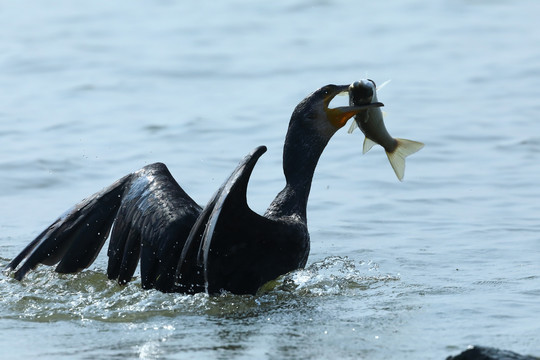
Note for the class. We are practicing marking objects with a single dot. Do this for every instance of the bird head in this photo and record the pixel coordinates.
(315, 111)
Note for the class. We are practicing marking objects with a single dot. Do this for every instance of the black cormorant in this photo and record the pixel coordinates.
(183, 247)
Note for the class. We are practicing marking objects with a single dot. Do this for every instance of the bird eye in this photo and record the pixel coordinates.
(326, 91)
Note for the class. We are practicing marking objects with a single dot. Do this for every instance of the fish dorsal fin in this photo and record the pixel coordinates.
(383, 84)
(397, 157)
(368, 144)
(353, 126)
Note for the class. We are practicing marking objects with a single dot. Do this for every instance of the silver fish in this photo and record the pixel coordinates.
(372, 125)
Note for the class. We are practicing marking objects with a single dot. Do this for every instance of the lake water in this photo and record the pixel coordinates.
(418, 269)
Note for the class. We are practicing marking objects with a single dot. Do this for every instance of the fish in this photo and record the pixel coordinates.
(371, 123)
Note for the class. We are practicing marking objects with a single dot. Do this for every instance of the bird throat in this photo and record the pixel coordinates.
(301, 153)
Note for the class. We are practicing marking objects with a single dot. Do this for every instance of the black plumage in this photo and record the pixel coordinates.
(183, 247)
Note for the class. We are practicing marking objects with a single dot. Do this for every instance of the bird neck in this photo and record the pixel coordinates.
(301, 153)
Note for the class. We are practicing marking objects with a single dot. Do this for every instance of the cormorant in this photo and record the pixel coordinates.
(183, 247)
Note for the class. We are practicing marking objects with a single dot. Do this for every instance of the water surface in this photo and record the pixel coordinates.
(417, 269)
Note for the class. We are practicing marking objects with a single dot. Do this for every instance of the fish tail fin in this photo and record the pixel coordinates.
(397, 157)
(368, 144)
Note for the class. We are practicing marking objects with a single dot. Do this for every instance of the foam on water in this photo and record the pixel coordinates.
(45, 296)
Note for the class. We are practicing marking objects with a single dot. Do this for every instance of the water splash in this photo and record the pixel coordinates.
(334, 275)
(46, 296)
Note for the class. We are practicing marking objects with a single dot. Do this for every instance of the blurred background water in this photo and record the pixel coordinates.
(418, 269)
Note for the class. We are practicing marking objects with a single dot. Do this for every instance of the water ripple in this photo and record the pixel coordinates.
(46, 296)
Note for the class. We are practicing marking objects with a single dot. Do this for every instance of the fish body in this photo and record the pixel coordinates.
(372, 125)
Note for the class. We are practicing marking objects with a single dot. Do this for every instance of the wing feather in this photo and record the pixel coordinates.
(61, 237)
(150, 215)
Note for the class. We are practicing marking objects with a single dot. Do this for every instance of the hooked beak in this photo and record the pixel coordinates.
(340, 115)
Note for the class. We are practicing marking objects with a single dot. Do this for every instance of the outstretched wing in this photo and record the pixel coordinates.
(235, 249)
(152, 217)
(233, 231)
(153, 223)
(191, 270)
(76, 237)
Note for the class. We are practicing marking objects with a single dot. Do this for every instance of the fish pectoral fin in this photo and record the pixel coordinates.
(368, 144)
(352, 127)
(397, 157)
